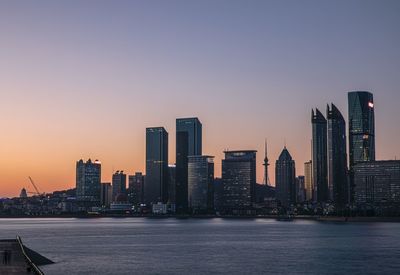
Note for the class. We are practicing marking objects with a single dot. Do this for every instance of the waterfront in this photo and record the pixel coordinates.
(201, 246)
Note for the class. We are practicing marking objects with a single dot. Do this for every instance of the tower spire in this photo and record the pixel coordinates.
(266, 163)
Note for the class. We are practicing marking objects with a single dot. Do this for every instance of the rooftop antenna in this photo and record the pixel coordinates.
(266, 164)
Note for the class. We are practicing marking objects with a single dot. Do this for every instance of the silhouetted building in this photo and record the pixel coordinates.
(105, 194)
(300, 189)
(188, 143)
(136, 188)
(156, 185)
(239, 179)
(319, 156)
(308, 181)
(23, 194)
(285, 179)
(172, 187)
(118, 184)
(88, 180)
(201, 184)
(218, 194)
(377, 182)
(361, 130)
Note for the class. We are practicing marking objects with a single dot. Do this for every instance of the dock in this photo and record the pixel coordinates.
(16, 258)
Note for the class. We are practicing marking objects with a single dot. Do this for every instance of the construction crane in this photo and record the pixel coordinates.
(36, 189)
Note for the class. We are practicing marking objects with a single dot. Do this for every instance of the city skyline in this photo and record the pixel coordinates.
(68, 95)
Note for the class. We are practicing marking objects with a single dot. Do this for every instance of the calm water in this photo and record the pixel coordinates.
(209, 246)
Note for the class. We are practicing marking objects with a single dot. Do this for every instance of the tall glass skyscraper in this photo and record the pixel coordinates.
(156, 184)
(239, 180)
(319, 156)
(188, 143)
(337, 157)
(361, 131)
(285, 179)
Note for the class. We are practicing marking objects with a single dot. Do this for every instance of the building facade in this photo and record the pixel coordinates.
(136, 188)
(337, 157)
(308, 171)
(239, 180)
(188, 143)
(319, 156)
(201, 184)
(156, 185)
(88, 181)
(285, 179)
(118, 184)
(300, 189)
(105, 194)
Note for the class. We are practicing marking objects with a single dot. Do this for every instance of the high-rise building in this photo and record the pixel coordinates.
(172, 186)
(337, 157)
(308, 182)
(156, 184)
(118, 184)
(361, 131)
(188, 143)
(201, 184)
(377, 182)
(239, 179)
(136, 188)
(105, 194)
(88, 180)
(319, 156)
(300, 189)
(285, 179)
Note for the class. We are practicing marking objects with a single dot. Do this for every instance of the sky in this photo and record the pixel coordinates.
(83, 79)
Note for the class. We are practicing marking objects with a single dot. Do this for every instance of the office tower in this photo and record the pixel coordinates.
(88, 180)
(319, 156)
(201, 184)
(218, 194)
(188, 143)
(172, 186)
(308, 182)
(361, 130)
(156, 185)
(239, 179)
(105, 194)
(136, 188)
(285, 177)
(300, 189)
(337, 157)
(377, 182)
(118, 184)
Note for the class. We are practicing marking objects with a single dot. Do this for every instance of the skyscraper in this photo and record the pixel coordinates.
(285, 179)
(88, 180)
(106, 194)
(136, 188)
(319, 156)
(156, 184)
(118, 184)
(337, 157)
(361, 131)
(308, 182)
(239, 179)
(172, 186)
(188, 143)
(201, 183)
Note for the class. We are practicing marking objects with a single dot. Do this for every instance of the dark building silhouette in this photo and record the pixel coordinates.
(136, 188)
(239, 180)
(201, 184)
(361, 130)
(105, 194)
(377, 182)
(285, 179)
(172, 186)
(319, 156)
(88, 182)
(300, 189)
(218, 194)
(188, 143)
(118, 184)
(337, 157)
(156, 184)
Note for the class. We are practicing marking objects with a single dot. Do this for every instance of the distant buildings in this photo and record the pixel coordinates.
(136, 188)
(106, 194)
(201, 184)
(300, 189)
(118, 184)
(88, 180)
(319, 156)
(172, 187)
(156, 186)
(308, 181)
(239, 179)
(377, 182)
(285, 177)
(188, 143)
(337, 157)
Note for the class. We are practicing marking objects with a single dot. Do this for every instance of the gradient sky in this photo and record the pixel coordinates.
(82, 79)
